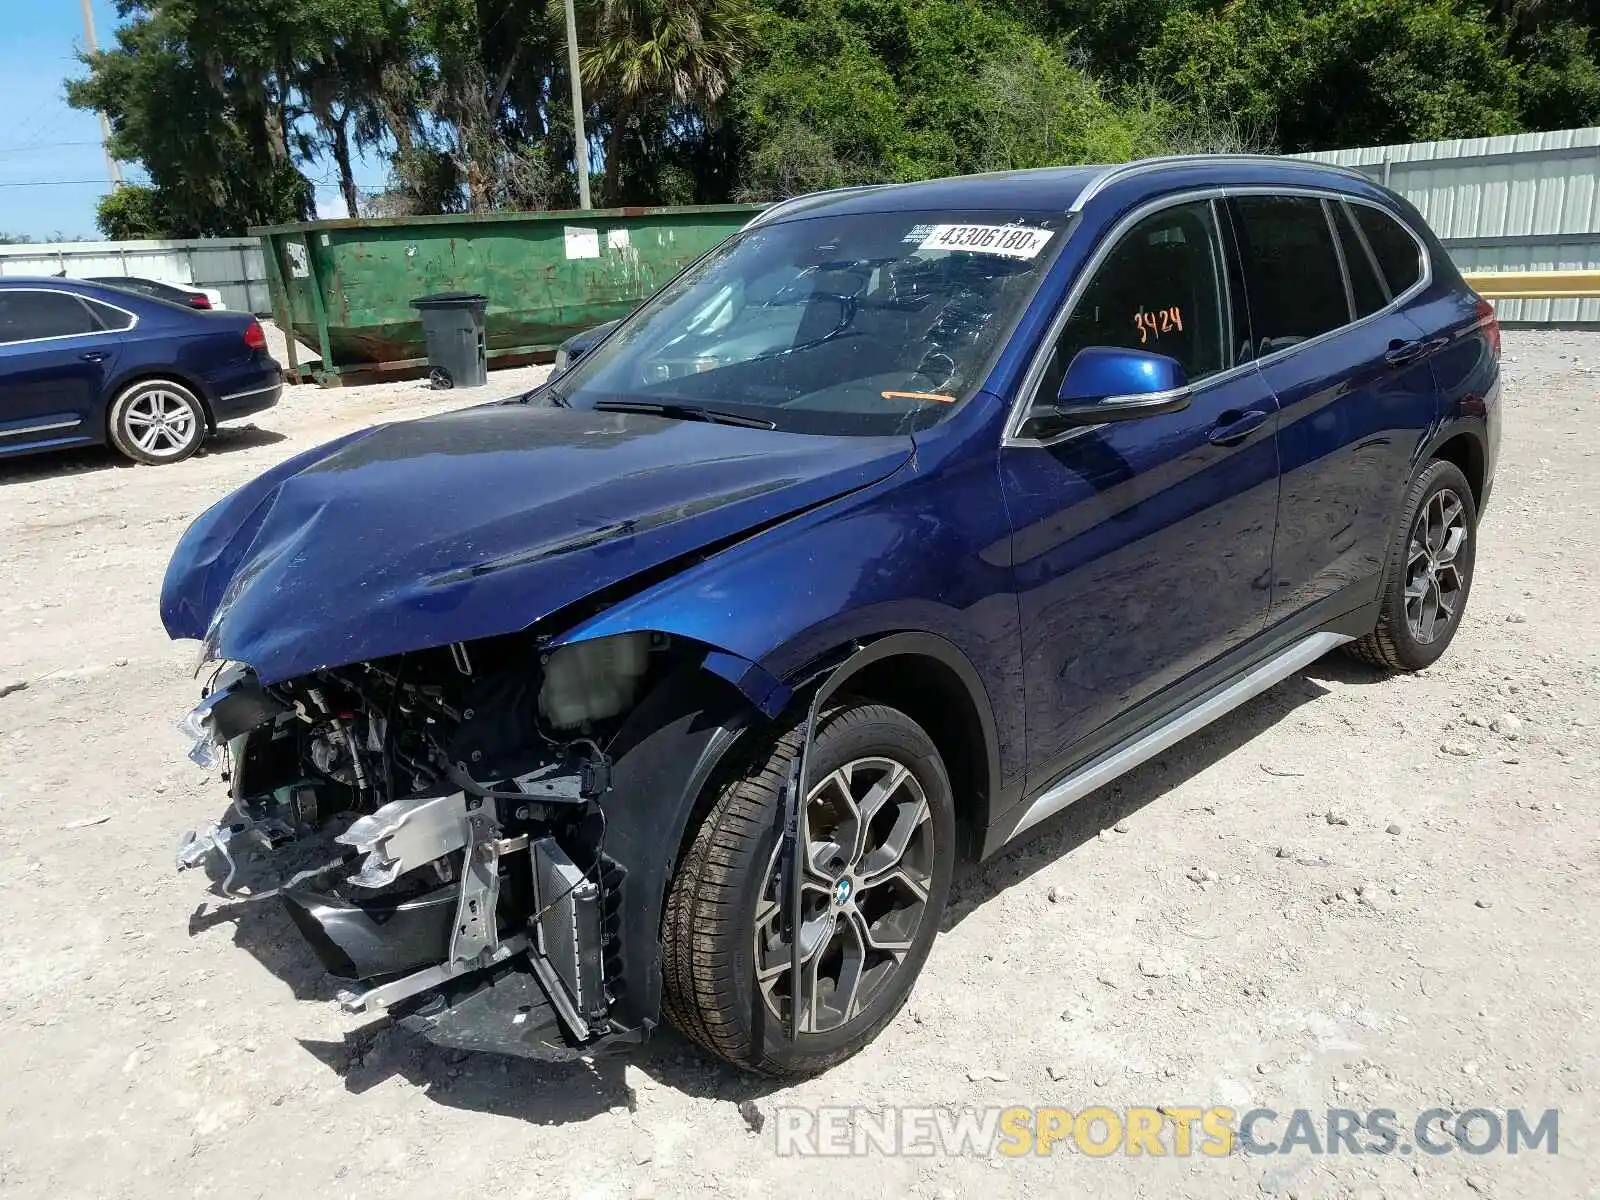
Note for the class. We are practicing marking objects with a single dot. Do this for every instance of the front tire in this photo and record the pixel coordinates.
(1429, 574)
(881, 835)
(157, 421)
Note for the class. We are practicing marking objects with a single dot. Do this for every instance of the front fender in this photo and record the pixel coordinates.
(663, 760)
(897, 558)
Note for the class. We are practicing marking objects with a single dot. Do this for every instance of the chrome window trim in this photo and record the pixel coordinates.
(133, 317)
(1012, 437)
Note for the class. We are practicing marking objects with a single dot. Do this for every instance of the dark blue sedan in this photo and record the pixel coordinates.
(683, 685)
(83, 364)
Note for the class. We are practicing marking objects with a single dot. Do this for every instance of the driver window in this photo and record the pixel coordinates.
(1160, 289)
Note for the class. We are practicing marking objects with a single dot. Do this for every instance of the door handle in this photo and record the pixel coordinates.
(94, 356)
(1238, 427)
(1400, 353)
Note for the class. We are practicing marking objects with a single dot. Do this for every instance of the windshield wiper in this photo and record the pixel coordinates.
(550, 395)
(685, 412)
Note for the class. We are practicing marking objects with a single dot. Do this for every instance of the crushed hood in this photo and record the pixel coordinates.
(477, 523)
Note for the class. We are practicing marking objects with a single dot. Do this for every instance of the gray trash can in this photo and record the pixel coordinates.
(452, 326)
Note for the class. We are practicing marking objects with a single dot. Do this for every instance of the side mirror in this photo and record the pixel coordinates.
(579, 344)
(1110, 383)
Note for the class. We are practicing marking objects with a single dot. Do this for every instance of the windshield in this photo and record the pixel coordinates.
(870, 324)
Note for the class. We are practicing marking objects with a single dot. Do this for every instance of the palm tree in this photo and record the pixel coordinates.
(681, 52)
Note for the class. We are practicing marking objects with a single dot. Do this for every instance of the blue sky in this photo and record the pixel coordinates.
(52, 171)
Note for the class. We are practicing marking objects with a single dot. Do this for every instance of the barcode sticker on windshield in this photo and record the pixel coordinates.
(1009, 241)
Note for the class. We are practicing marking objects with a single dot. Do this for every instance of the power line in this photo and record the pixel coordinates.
(56, 183)
(39, 120)
(37, 146)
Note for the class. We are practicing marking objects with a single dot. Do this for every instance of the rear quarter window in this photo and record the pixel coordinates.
(113, 320)
(1398, 254)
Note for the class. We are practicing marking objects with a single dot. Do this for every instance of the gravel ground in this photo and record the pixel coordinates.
(1356, 892)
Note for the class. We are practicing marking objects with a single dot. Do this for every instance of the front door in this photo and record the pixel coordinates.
(1142, 549)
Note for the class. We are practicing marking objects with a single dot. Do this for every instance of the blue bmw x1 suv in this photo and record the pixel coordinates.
(898, 522)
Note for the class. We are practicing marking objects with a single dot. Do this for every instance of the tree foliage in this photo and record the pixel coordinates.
(133, 213)
(233, 107)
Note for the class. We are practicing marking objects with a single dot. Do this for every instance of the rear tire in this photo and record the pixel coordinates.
(1428, 577)
(156, 421)
(874, 898)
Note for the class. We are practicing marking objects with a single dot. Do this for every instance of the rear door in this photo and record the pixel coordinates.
(56, 353)
(1355, 394)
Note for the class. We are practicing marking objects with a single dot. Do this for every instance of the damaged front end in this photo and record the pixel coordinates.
(475, 837)
(470, 801)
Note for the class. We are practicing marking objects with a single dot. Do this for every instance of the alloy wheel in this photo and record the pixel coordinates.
(868, 868)
(161, 423)
(1435, 582)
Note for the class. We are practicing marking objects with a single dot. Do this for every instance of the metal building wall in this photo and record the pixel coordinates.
(1524, 202)
(231, 265)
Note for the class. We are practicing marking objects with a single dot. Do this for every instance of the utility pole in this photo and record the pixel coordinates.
(113, 167)
(580, 142)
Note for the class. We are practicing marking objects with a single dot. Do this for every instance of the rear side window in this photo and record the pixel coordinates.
(1396, 250)
(1291, 270)
(1366, 288)
(29, 316)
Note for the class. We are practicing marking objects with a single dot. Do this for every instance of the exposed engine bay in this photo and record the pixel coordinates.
(433, 825)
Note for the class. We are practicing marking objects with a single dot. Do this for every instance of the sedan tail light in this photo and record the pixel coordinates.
(199, 301)
(1489, 322)
(254, 336)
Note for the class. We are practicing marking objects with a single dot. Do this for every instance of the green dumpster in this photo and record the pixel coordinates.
(346, 287)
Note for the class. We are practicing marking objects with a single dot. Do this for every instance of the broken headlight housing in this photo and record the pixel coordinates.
(593, 680)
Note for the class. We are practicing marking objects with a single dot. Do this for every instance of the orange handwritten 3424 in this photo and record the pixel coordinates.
(1153, 324)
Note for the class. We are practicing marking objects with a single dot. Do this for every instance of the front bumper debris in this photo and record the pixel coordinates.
(249, 859)
(437, 956)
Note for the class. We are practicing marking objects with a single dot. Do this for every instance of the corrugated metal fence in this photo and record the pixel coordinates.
(1525, 202)
(231, 265)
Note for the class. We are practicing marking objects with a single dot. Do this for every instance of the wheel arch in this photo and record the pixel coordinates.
(932, 682)
(1465, 449)
(698, 722)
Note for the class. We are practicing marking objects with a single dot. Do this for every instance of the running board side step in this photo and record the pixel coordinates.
(1193, 717)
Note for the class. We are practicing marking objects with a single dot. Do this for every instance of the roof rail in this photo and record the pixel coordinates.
(1123, 170)
(783, 206)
